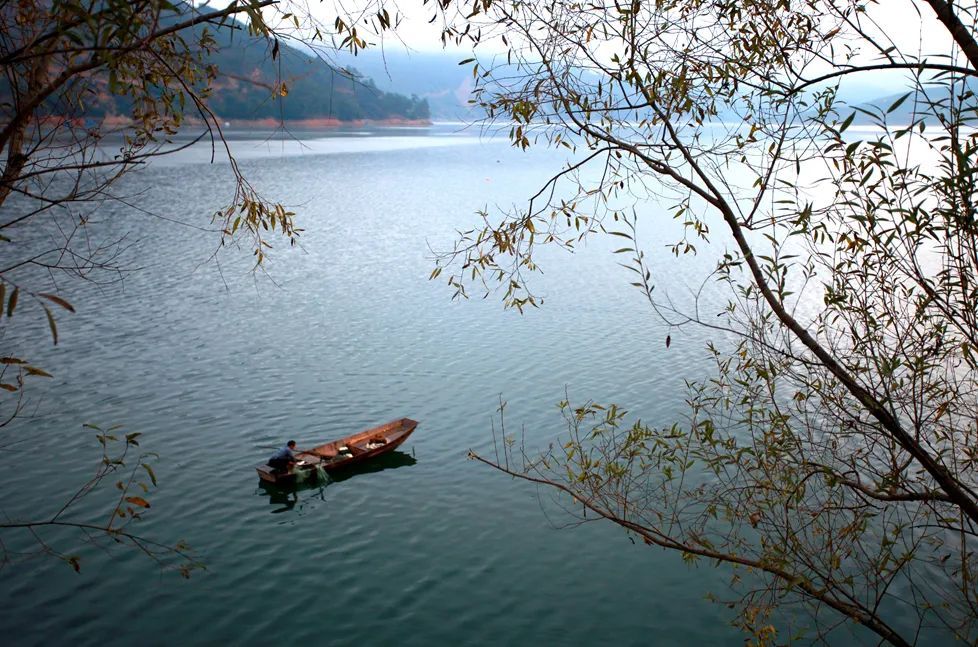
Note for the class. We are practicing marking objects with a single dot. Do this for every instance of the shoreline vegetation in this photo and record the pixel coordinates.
(323, 123)
(312, 123)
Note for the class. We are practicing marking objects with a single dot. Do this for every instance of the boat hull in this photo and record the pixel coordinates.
(343, 453)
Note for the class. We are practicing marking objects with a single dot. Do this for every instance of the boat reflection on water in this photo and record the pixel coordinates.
(286, 496)
(390, 460)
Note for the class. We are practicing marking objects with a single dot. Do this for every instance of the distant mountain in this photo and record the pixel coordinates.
(250, 82)
(434, 77)
(902, 109)
(250, 86)
(446, 86)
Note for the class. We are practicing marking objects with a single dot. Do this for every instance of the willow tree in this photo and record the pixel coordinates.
(832, 453)
(58, 164)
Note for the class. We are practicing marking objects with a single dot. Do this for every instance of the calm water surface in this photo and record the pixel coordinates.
(215, 365)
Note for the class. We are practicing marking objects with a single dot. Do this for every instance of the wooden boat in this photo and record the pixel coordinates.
(342, 453)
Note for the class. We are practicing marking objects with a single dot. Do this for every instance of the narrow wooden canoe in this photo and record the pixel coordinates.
(342, 453)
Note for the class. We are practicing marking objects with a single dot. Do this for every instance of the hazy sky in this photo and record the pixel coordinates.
(890, 21)
(897, 20)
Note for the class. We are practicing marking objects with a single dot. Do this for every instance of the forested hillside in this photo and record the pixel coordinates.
(251, 83)
(250, 87)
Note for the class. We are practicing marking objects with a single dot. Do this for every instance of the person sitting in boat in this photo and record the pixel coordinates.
(284, 459)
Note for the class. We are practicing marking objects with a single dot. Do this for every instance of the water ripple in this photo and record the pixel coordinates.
(438, 551)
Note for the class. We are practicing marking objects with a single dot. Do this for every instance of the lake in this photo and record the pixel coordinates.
(217, 366)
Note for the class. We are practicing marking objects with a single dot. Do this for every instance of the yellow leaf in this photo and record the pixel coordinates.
(12, 303)
(56, 299)
(52, 325)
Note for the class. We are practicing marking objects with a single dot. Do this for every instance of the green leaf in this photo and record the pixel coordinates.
(149, 470)
(898, 103)
(846, 123)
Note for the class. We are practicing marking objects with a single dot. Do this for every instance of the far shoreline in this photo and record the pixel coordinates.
(317, 123)
(322, 123)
